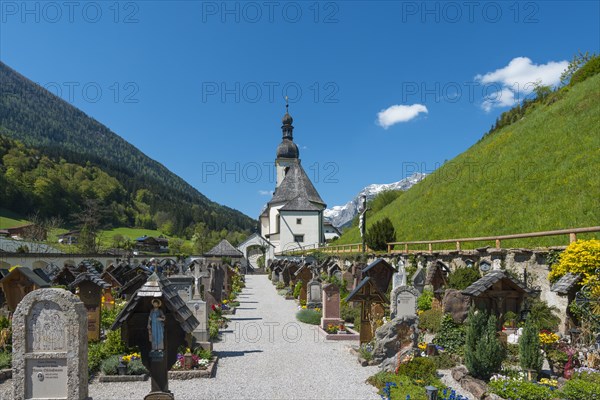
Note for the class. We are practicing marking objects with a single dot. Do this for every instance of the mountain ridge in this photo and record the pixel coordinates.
(43, 121)
(341, 216)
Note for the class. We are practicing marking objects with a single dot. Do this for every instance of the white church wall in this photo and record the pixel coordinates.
(310, 228)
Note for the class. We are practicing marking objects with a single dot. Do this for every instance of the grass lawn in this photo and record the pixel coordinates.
(9, 219)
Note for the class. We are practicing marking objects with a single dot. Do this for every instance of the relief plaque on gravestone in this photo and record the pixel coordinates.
(46, 328)
(46, 379)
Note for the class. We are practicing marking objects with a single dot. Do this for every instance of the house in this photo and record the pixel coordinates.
(152, 245)
(28, 231)
(330, 231)
(293, 218)
(71, 237)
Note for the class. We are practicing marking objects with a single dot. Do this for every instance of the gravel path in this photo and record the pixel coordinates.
(292, 362)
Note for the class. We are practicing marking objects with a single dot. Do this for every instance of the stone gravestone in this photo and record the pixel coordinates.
(399, 278)
(418, 279)
(331, 306)
(50, 346)
(213, 291)
(404, 302)
(313, 292)
(183, 285)
(199, 309)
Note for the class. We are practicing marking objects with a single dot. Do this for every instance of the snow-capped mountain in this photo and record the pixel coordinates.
(341, 215)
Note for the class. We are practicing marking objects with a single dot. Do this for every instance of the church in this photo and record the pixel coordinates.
(294, 216)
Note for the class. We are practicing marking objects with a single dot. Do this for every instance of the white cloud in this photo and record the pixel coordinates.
(399, 113)
(501, 98)
(518, 78)
(265, 192)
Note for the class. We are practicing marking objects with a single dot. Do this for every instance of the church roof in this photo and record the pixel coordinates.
(300, 203)
(296, 183)
(224, 249)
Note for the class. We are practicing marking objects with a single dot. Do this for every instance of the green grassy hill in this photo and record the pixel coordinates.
(541, 172)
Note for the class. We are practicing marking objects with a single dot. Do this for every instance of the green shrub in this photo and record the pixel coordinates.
(591, 68)
(451, 336)
(422, 368)
(309, 316)
(512, 353)
(350, 314)
(109, 365)
(483, 351)
(444, 361)
(544, 316)
(593, 377)
(406, 387)
(424, 300)
(113, 343)
(5, 360)
(297, 289)
(380, 233)
(95, 356)
(579, 389)
(136, 367)
(431, 320)
(511, 389)
(462, 278)
(530, 356)
(282, 292)
(280, 285)
(366, 351)
(213, 329)
(203, 353)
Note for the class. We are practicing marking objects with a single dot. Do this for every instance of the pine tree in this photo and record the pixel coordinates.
(483, 351)
(530, 356)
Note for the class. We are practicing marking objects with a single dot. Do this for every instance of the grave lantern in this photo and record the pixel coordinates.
(156, 320)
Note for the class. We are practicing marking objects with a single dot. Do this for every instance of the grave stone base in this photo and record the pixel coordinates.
(159, 396)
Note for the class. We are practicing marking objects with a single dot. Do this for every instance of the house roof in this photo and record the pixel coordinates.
(486, 282)
(224, 249)
(92, 277)
(31, 275)
(565, 283)
(296, 183)
(11, 246)
(300, 203)
(159, 288)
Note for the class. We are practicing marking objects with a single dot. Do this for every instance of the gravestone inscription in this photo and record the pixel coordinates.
(404, 302)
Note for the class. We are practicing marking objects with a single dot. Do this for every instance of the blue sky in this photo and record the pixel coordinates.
(377, 89)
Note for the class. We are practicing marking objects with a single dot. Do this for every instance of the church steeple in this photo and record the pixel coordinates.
(287, 148)
(287, 120)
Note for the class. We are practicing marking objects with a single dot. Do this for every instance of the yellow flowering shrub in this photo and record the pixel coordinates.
(580, 257)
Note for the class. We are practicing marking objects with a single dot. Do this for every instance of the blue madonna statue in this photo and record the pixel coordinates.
(156, 326)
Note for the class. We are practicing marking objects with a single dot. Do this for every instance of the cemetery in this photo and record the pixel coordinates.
(466, 326)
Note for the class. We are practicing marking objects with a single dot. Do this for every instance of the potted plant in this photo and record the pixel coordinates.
(557, 360)
(510, 322)
(342, 329)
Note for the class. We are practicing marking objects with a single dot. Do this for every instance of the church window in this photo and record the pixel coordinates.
(298, 221)
(299, 238)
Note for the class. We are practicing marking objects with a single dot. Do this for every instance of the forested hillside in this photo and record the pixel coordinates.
(62, 156)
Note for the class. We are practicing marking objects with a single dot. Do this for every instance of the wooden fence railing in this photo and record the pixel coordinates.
(391, 247)
(497, 239)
